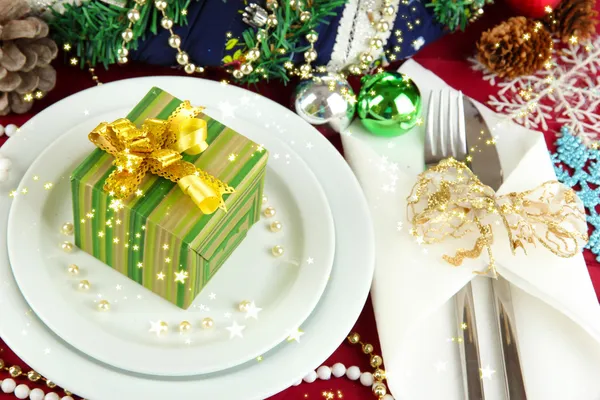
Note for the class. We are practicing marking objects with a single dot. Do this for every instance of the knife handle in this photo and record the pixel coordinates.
(468, 344)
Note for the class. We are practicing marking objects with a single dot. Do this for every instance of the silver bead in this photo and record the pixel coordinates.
(317, 104)
(269, 212)
(122, 52)
(254, 15)
(174, 41)
(133, 15)
(253, 54)
(310, 55)
(237, 74)
(312, 36)
(304, 16)
(189, 68)
(182, 58)
(277, 251)
(166, 23)
(127, 35)
(246, 68)
(272, 21)
(261, 35)
(275, 226)
(160, 4)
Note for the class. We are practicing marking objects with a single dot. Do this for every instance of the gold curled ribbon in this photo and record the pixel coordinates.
(156, 147)
(448, 202)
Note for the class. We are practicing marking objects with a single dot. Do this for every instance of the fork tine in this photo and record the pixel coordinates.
(441, 129)
(430, 150)
(462, 133)
(452, 128)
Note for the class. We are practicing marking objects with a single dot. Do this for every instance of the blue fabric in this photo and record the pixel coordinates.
(209, 20)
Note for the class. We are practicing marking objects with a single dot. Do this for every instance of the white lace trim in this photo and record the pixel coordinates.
(342, 39)
(354, 33)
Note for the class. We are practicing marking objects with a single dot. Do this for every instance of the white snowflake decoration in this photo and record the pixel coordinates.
(566, 92)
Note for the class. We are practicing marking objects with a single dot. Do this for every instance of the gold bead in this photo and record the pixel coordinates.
(246, 68)
(364, 67)
(379, 374)
(312, 37)
(207, 323)
(367, 348)
(122, 52)
(376, 361)
(354, 338)
(33, 376)
(261, 35)
(160, 4)
(277, 251)
(237, 74)
(67, 392)
(122, 60)
(182, 58)
(73, 269)
(103, 305)
(366, 58)
(379, 389)
(310, 55)
(304, 16)
(50, 384)
(275, 226)
(67, 229)
(67, 247)
(127, 35)
(133, 15)
(269, 212)
(376, 43)
(243, 306)
(15, 371)
(389, 10)
(305, 70)
(189, 68)
(84, 284)
(265, 199)
(383, 26)
(272, 21)
(174, 41)
(199, 70)
(140, 2)
(1, 363)
(184, 326)
(166, 22)
(253, 54)
(354, 69)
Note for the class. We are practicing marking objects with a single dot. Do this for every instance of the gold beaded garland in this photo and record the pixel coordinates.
(379, 388)
(50, 384)
(33, 376)
(207, 323)
(354, 338)
(174, 41)
(184, 326)
(1, 363)
(182, 58)
(376, 361)
(15, 371)
(367, 348)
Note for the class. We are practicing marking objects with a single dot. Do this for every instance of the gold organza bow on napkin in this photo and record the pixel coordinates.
(448, 201)
(156, 146)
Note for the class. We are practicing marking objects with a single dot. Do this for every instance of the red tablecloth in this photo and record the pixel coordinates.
(447, 58)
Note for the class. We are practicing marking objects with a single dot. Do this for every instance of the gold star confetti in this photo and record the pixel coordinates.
(165, 246)
(228, 35)
(136, 247)
(24, 190)
(66, 47)
(232, 157)
(168, 260)
(138, 235)
(419, 121)
(548, 9)
(260, 148)
(184, 12)
(36, 178)
(144, 227)
(13, 193)
(295, 335)
(39, 94)
(158, 327)
(118, 222)
(127, 245)
(48, 185)
(463, 326)
(573, 39)
(181, 276)
(259, 358)
(526, 36)
(74, 61)
(138, 192)
(100, 234)
(140, 265)
(469, 158)
(160, 276)
(116, 240)
(28, 97)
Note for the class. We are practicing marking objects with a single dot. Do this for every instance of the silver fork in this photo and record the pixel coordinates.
(446, 137)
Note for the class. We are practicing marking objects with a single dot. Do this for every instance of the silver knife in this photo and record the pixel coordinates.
(485, 163)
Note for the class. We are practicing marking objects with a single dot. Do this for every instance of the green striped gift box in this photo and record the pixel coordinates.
(161, 239)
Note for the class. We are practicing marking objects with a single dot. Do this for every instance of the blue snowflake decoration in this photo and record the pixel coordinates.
(583, 172)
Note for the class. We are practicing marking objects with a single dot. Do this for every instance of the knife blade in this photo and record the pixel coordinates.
(484, 161)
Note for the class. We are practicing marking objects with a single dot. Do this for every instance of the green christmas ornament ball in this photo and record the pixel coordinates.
(389, 103)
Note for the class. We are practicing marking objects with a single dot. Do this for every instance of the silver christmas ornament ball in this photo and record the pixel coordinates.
(326, 99)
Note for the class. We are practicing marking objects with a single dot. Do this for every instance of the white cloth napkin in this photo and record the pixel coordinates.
(557, 314)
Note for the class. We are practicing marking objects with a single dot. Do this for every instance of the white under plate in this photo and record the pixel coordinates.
(277, 369)
(285, 288)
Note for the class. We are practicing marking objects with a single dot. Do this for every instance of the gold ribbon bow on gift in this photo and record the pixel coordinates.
(156, 147)
(449, 201)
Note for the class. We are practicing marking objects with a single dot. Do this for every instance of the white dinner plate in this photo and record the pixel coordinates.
(323, 331)
(285, 288)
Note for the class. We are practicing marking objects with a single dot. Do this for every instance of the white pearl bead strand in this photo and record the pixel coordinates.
(23, 392)
(338, 370)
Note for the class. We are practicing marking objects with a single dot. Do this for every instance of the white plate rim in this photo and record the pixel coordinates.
(330, 311)
(139, 357)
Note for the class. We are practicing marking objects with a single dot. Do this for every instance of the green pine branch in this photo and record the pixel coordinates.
(456, 14)
(93, 30)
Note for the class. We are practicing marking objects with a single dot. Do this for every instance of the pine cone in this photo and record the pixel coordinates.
(573, 18)
(518, 46)
(25, 56)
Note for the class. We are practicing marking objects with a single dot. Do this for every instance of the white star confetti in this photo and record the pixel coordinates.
(235, 330)
(486, 373)
(295, 335)
(309, 145)
(227, 109)
(276, 156)
(399, 226)
(47, 351)
(310, 260)
(252, 311)
(118, 287)
(212, 296)
(158, 327)
(227, 315)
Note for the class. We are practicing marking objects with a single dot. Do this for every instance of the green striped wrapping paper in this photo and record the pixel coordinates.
(162, 232)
